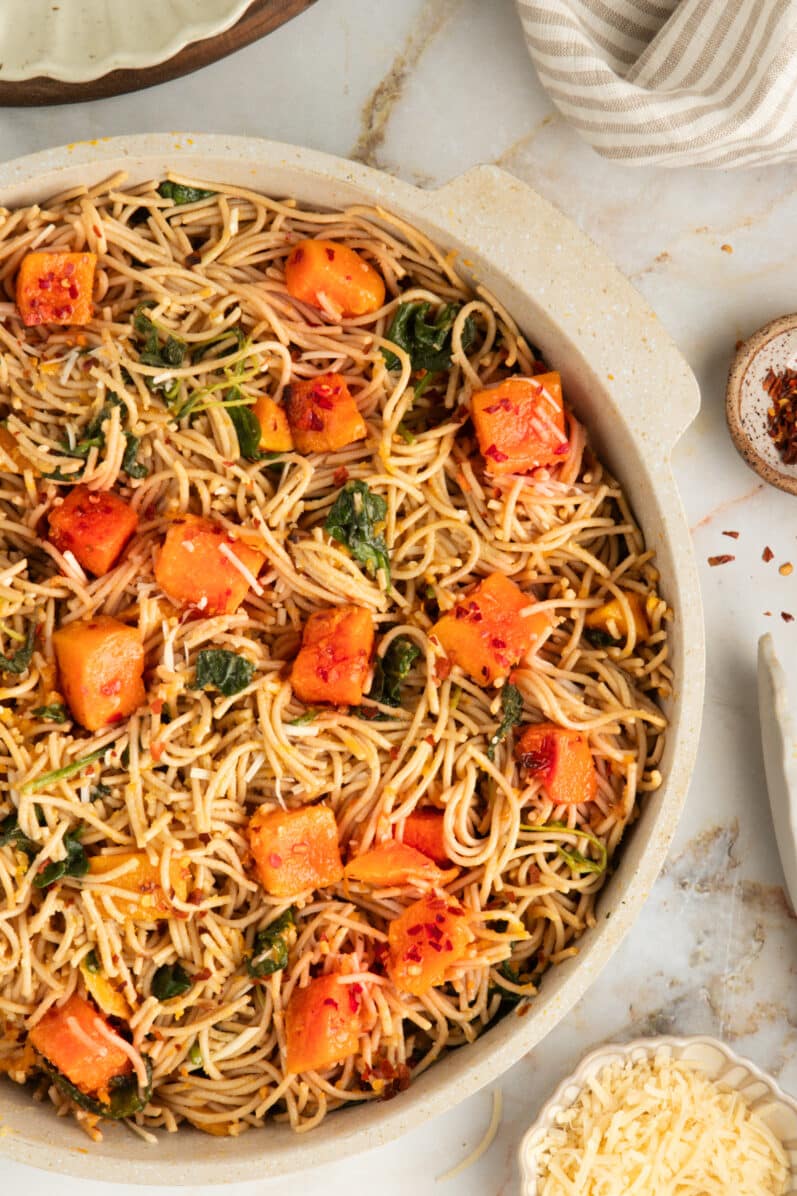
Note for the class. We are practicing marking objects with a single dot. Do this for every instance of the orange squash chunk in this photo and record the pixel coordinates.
(335, 657)
(485, 634)
(323, 416)
(423, 830)
(71, 1039)
(323, 1024)
(295, 850)
(55, 288)
(562, 760)
(424, 941)
(10, 446)
(148, 902)
(95, 525)
(101, 665)
(329, 275)
(611, 617)
(275, 432)
(520, 424)
(192, 570)
(395, 863)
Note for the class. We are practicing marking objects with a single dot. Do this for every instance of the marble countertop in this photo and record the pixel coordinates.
(426, 89)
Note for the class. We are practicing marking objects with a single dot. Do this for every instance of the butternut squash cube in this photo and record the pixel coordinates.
(612, 620)
(335, 657)
(520, 424)
(424, 941)
(424, 830)
(395, 863)
(192, 569)
(561, 758)
(486, 634)
(72, 1040)
(322, 414)
(295, 850)
(148, 903)
(275, 432)
(332, 277)
(55, 288)
(101, 665)
(323, 1024)
(95, 525)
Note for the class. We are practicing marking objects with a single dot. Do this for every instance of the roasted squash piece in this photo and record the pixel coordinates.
(612, 621)
(148, 902)
(424, 830)
(55, 288)
(395, 863)
(323, 1024)
(79, 1043)
(424, 941)
(193, 568)
(486, 634)
(104, 993)
(561, 758)
(10, 446)
(334, 278)
(520, 424)
(295, 850)
(322, 415)
(101, 666)
(95, 525)
(275, 432)
(335, 657)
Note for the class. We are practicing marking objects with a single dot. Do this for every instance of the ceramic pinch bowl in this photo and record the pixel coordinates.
(776, 1109)
(746, 401)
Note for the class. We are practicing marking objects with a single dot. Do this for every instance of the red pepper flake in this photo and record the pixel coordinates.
(782, 414)
(340, 476)
(157, 706)
(275, 860)
(354, 996)
(723, 559)
(430, 739)
(495, 453)
(787, 618)
(156, 750)
(732, 535)
(767, 555)
(330, 254)
(203, 974)
(393, 753)
(331, 1002)
(415, 929)
(768, 613)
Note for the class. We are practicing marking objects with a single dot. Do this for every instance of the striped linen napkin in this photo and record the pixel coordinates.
(671, 82)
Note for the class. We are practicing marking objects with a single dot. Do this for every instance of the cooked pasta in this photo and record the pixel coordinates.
(147, 902)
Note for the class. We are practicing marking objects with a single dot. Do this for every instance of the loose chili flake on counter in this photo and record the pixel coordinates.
(733, 535)
(724, 559)
(782, 414)
(767, 555)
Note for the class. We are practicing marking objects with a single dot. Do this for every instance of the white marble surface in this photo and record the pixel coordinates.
(427, 88)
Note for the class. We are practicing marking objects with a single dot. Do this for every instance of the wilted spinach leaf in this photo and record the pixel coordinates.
(131, 466)
(271, 946)
(170, 980)
(511, 714)
(426, 342)
(55, 713)
(226, 671)
(75, 863)
(10, 833)
(351, 522)
(19, 661)
(245, 422)
(392, 669)
(180, 193)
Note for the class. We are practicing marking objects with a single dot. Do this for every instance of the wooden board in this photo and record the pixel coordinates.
(261, 18)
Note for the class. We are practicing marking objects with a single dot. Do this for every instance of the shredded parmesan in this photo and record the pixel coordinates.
(660, 1127)
(238, 564)
(484, 1145)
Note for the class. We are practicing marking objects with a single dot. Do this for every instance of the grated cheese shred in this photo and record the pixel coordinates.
(660, 1127)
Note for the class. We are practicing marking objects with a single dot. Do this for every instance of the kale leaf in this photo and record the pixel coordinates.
(226, 671)
(351, 522)
(75, 863)
(170, 980)
(426, 342)
(511, 714)
(392, 669)
(180, 193)
(271, 946)
(125, 1098)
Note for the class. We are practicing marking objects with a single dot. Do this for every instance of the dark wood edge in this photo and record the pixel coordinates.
(262, 17)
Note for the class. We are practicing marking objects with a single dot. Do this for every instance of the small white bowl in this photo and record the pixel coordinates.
(777, 1110)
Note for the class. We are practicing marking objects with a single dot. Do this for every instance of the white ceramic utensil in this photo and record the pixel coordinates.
(779, 743)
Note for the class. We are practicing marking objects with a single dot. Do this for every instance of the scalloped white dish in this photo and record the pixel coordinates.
(81, 40)
(776, 1109)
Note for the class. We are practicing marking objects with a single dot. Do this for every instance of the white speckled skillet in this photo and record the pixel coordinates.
(635, 393)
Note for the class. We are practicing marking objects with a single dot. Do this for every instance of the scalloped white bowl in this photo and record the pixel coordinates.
(776, 1109)
(81, 40)
(616, 363)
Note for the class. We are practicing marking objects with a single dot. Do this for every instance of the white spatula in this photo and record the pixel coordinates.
(779, 742)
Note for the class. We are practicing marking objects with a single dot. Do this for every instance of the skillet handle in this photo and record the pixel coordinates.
(633, 360)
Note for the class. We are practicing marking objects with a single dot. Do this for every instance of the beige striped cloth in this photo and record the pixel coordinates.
(671, 82)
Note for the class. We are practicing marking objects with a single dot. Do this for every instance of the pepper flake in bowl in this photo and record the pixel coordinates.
(664, 1116)
(761, 402)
